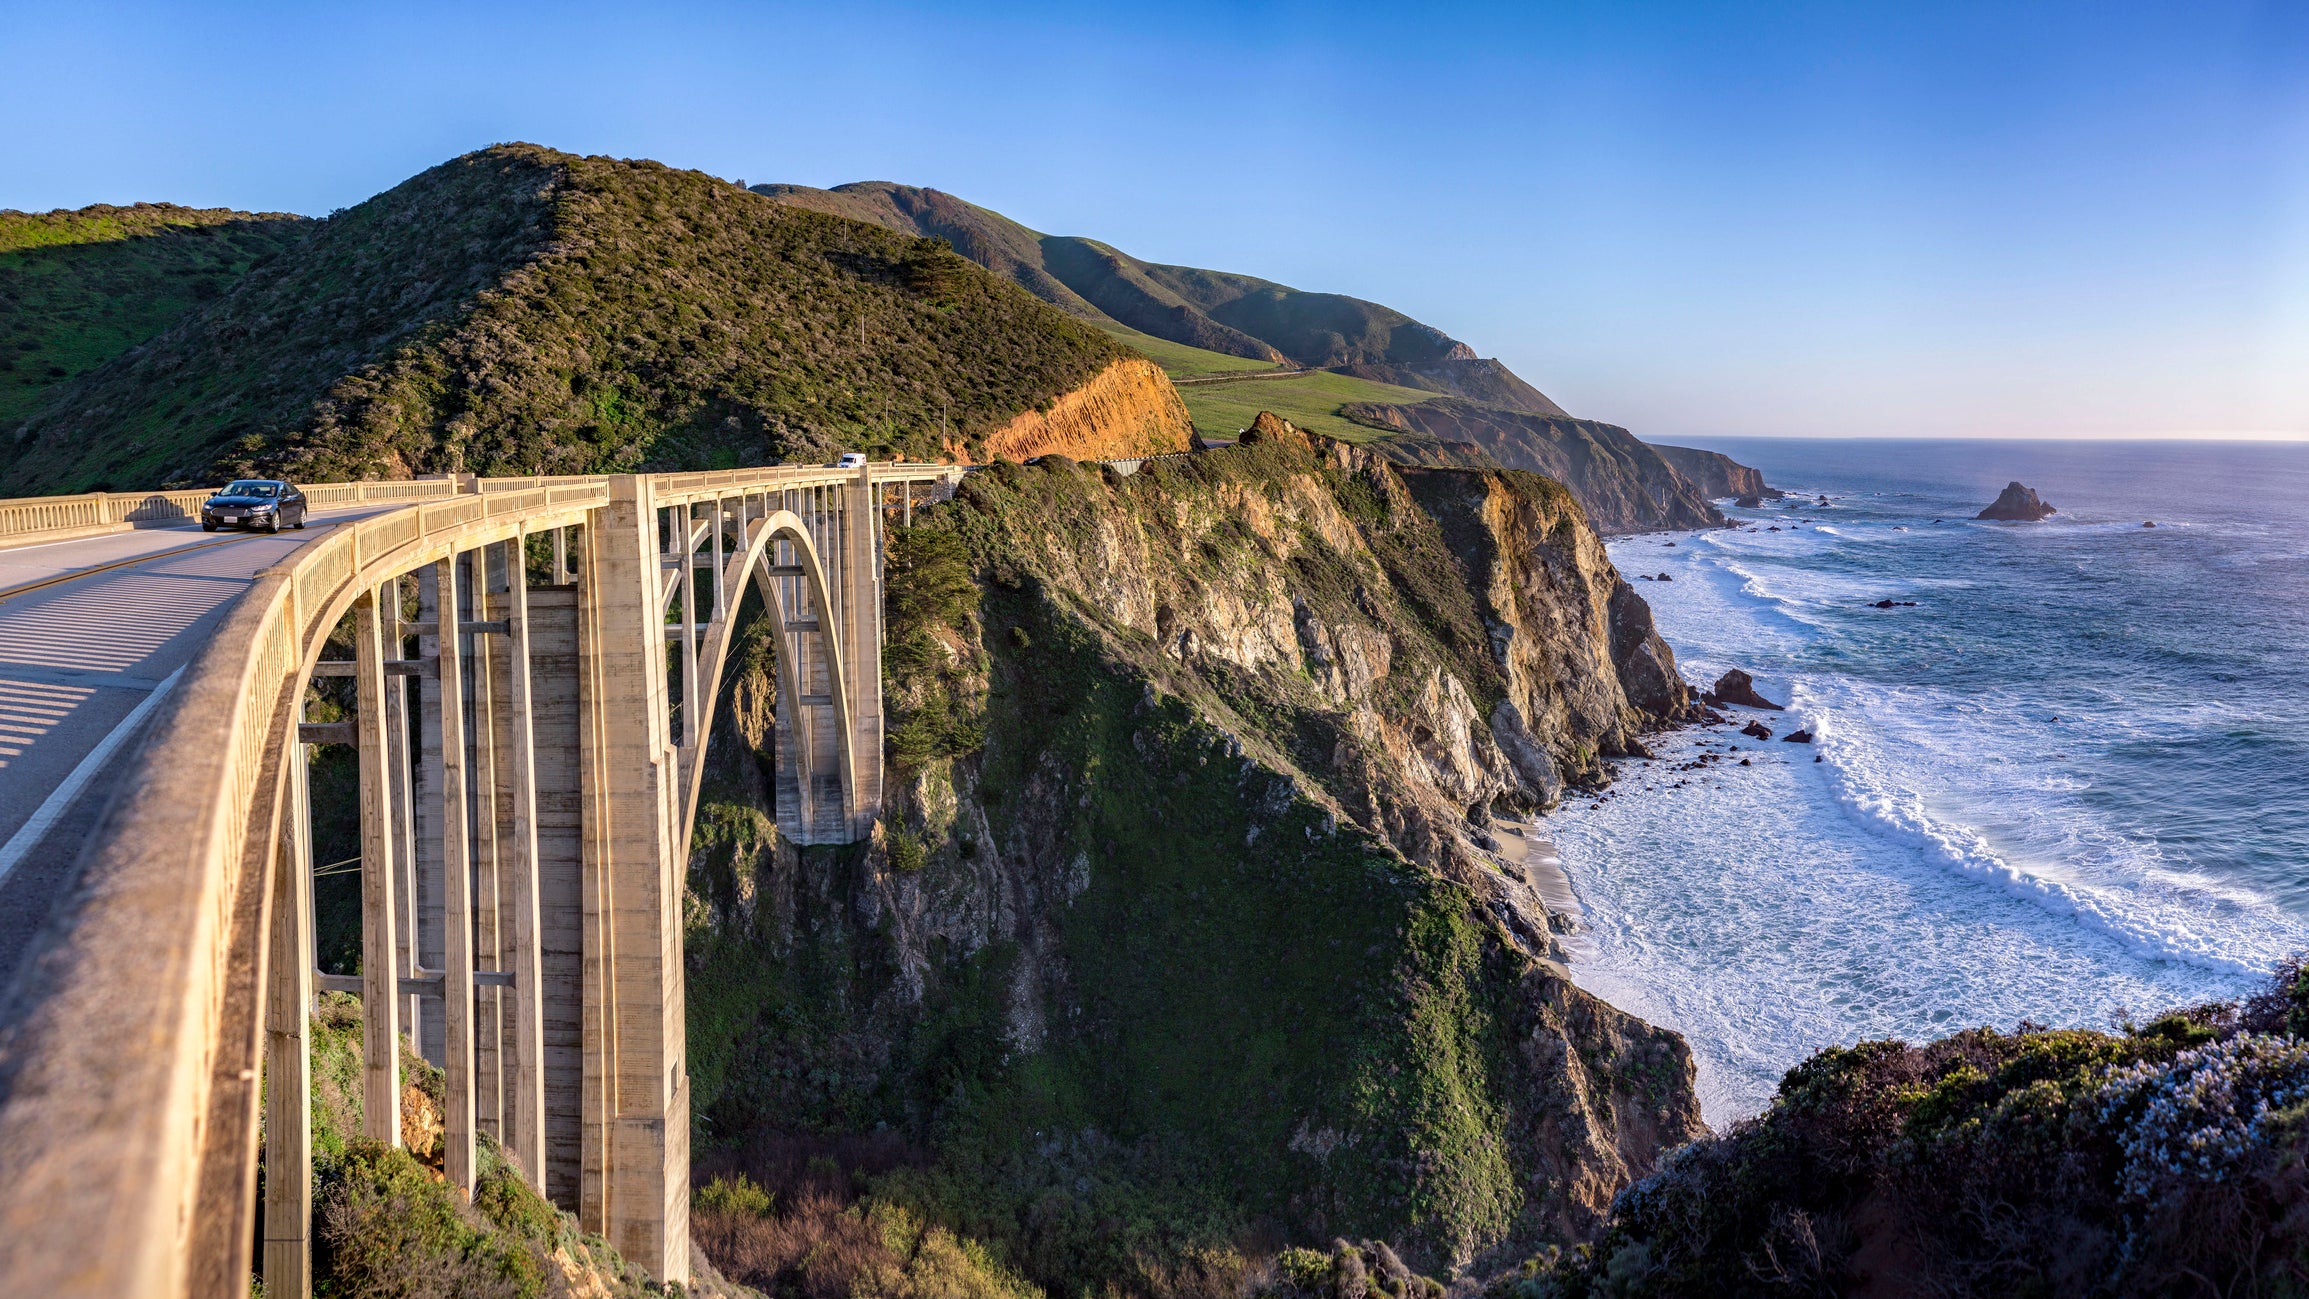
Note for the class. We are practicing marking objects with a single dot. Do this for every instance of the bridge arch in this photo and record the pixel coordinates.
(796, 595)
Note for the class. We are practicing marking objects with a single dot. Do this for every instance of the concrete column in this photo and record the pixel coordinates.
(862, 648)
(380, 946)
(691, 709)
(647, 1165)
(401, 822)
(456, 895)
(517, 864)
(288, 1254)
(551, 636)
(482, 687)
(426, 809)
(597, 1037)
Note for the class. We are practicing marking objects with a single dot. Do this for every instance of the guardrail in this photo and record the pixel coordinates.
(26, 519)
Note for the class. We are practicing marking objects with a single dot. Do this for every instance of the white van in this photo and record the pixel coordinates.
(851, 460)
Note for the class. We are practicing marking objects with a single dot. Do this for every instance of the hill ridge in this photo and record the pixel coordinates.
(1220, 311)
(519, 310)
(80, 286)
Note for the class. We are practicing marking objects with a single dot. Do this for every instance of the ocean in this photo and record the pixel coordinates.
(2070, 784)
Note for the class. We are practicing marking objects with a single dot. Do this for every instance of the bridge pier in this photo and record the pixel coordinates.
(513, 739)
(636, 1191)
(288, 1207)
(381, 909)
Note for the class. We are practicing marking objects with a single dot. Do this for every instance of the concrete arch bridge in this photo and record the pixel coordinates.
(535, 664)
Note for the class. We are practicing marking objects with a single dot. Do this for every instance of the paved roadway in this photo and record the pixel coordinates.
(92, 635)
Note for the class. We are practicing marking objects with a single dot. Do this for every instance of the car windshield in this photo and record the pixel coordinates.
(251, 488)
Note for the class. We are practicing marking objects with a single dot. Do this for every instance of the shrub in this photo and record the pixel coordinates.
(732, 1195)
(2196, 1116)
(388, 1228)
(2171, 1158)
(907, 853)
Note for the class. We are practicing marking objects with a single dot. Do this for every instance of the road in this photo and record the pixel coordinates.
(92, 635)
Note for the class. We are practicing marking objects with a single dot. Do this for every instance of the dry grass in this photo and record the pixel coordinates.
(822, 1239)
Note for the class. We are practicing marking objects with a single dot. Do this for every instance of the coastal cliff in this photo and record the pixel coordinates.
(1623, 485)
(1717, 475)
(1129, 409)
(1184, 927)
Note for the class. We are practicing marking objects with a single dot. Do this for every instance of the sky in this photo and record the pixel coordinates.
(1862, 219)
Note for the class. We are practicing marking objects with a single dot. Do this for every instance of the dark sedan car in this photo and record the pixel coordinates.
(266, 503)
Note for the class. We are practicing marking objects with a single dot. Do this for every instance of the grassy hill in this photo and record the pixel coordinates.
(78, 288)
(520, 310)
(1225, 393)
(1214, 311)
(1181, 361)
(1224, 407)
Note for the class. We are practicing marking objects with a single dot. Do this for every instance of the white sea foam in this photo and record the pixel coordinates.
(2100, 883)
(1931, 869)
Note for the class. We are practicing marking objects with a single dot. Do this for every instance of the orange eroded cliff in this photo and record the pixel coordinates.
(1130, 409)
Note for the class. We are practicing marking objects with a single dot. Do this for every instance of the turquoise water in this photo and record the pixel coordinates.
(2070, 783)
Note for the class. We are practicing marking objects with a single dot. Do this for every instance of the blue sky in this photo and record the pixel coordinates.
(1835, 219)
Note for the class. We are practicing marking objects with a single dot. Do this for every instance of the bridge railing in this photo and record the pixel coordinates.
(40, 518)
(27, 519)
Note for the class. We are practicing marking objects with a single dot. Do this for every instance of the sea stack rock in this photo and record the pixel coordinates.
(1737, 687)
(2019, 504)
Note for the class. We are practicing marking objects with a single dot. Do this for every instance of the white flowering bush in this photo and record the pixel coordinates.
(2196, 1116)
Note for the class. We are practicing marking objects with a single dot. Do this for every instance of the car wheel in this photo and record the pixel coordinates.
(206, 526)
(300, 523)
(273, 524)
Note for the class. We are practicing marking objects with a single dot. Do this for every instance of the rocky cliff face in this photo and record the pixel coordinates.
(1717, 475)
(1128, 409)
(1623, 485)
(1184, 926)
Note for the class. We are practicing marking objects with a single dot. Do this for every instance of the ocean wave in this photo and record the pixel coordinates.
(2158, 918)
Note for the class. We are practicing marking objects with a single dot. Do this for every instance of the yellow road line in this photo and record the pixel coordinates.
(12, 592)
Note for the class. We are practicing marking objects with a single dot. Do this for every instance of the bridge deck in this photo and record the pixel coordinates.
(89, 629)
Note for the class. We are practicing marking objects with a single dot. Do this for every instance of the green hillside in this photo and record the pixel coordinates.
(78, 288)
(1311, 401)
(1216, 311)
(1180, 361)
(1225, 393)
(520, 310)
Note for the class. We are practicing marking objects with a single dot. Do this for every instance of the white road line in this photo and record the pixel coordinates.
(28, 836)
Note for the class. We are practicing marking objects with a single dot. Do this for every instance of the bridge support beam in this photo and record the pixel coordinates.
(380, 912)
(861, 550)
(635, 986)
(288, 1212)
(520, 927)
(458, 1151)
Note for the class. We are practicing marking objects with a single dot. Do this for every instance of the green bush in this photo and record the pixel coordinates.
(727, 1194)
(907, 854)
(390, 1228)
(930, 604)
